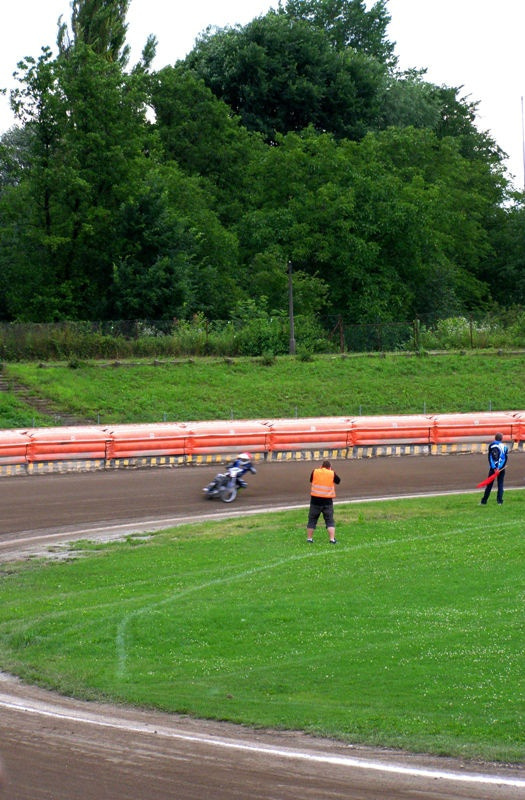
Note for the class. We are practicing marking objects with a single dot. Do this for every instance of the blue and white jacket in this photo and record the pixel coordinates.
(498, 455)
(243, 465)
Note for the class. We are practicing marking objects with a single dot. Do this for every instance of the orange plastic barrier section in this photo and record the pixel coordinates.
(449, 428)
(200, 438)
(415, 429)
(519, 416)
(296, 434)
(54, 444)
(226, 437)
(128, 441)
(13, 446)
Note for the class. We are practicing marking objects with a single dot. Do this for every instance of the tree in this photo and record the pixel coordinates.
(280, 75)
(458, 120)
(26, 212)
(348, 23)
(201, 134)
(176, 259)
(503, 268)
(409, 100)
(88, 143)
(15, 149)
(99, 24)
(395, 225)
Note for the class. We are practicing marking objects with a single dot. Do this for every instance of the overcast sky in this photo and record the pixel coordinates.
(475, 44)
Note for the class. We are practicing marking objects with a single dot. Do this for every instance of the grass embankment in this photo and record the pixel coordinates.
(408, 633)
(246, 389)
(15, 413)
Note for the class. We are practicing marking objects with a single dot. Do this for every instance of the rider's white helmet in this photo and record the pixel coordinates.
(246, 456)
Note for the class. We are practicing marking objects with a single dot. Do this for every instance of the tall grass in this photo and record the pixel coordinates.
(253, 336)
(408, 633)
(255, 332)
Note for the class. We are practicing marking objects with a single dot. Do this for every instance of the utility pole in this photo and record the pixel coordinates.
(523, 141)
(290, 309)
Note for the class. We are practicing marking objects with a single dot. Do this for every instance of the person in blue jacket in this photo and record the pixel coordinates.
(498, 455)
(243, 463)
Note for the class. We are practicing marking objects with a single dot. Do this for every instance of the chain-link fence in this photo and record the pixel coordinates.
(497, 330)
(258, 336)
(375, 337)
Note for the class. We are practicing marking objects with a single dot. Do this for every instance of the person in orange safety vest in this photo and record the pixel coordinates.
(322, 491)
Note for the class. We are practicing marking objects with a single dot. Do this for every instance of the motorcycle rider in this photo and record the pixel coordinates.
(243, 463)
(234, 472)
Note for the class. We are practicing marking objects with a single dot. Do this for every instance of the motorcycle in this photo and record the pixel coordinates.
(225, 485)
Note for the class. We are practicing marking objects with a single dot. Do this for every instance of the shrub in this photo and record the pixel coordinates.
(268, 359)
(460, 333)
(304, 355)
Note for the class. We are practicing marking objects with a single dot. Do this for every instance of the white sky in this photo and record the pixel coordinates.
(475, 44)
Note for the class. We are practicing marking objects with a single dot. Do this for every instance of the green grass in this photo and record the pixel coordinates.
(408, 633)
(245, 389)
(14, 413)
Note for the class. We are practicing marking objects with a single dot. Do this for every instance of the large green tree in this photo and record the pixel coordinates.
(203, 137)
(100, 24)
(88, 138)
(348, 23)
(503, 268)
(87, 144)
(395, 224)
(176, 258)
(282, 75)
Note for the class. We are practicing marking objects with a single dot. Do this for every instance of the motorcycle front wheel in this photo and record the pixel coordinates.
(228, 494)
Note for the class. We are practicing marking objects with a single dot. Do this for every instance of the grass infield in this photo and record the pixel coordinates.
(408, 633)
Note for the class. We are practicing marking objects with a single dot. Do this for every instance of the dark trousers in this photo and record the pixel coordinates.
(488, 488)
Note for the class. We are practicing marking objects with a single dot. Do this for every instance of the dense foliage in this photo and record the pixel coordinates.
(129, 193)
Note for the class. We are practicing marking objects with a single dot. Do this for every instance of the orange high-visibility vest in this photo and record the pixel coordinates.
(323, 483)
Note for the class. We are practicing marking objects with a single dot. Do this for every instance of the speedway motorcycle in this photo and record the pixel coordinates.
(225, 485)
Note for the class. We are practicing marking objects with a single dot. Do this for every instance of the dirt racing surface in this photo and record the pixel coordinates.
(54, 748)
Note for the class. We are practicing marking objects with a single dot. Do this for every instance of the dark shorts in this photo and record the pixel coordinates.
(325, 508)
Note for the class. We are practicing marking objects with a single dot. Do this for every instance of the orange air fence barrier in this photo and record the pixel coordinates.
(298, 434)
(131, 441)
(54, 444)
(226, 437)
(519, 417)
(410, 429)
(13, 446)
(192, 439)
(450, 428)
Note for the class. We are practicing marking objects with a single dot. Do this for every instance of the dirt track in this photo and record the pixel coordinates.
(58, 749)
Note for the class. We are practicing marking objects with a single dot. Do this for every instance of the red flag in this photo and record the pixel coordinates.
(488, 480)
